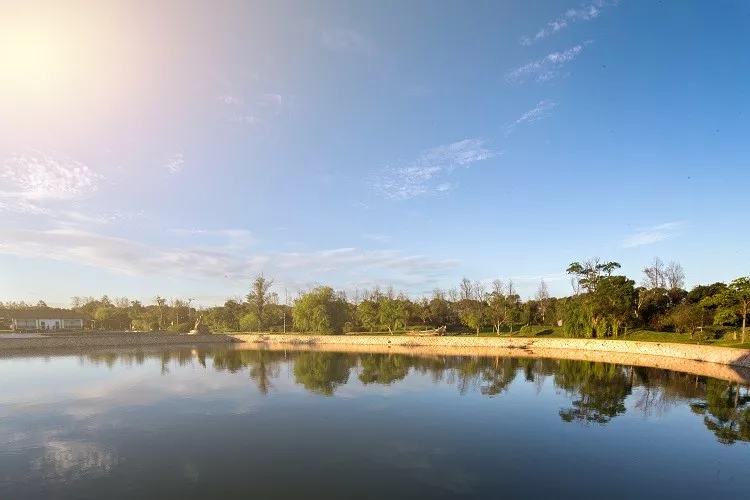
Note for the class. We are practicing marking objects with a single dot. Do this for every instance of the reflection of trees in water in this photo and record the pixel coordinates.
(322, 372)
(497, 378)
(726, 411)
(598, 391)
(262, 366)
(383, 369)
(660, 390)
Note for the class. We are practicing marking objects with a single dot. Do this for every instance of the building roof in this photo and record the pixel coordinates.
(46, 313)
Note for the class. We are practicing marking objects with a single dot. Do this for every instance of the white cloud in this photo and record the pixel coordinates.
(423, 176)
(40, 176)
(377, 237)
(584, 13)
(546, 68)
(541, 111)
(271, 99)
(237, 237)
(241, 118)
(32, 182)
(231, 100)
(347, 40)
(73, 459)
(654, 234)
(136, 258)
(174, 163)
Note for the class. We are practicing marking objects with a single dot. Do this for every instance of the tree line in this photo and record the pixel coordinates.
(602, 304)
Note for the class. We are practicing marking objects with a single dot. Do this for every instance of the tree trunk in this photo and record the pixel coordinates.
(744, 325)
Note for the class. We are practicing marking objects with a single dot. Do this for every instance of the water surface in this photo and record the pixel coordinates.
(213, 422)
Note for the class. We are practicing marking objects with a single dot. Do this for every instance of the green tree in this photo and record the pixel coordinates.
(734, 303)
(368, 314)
(440, 308)
(687, 318)
(394, 313)
(496, 305)
(578, 317)
(161, 302)
(613, 303)
(587, 274)
(320, 310)
(260, 295)
(104, 316)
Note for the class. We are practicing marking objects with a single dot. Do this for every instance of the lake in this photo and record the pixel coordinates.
(219, 422)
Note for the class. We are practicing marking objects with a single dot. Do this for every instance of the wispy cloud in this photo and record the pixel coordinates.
(377, 237)
(425, 175)
(30, 182)
(231, 100)
(245, 119)
(419, 90)
(343, 40)
(542, 110)
(235, 110)
(546, 68)
(136, 258)
(174, 163)
(237, 237)
(585, 12)
(654, 234)
(271, 100)
(277, 103)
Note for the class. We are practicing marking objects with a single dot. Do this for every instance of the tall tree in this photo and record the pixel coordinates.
(613, 302)
(368, 314)
(734, 303)
(587, 274)
(542, 298)
(674, 276)
(496, 305)
(259, 296)
(654, 276)
(160, 303)
(394, 313)
(512, 305)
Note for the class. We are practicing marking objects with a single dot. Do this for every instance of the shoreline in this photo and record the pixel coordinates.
(700, 353)
(726, 363)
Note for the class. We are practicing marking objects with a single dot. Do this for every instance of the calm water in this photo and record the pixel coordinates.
(222, 423)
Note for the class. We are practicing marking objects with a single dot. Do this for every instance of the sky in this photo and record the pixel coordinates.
(182, 147)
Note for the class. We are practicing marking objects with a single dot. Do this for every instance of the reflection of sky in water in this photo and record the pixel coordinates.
(85, 427)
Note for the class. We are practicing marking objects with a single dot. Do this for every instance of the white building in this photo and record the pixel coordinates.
(46, 319)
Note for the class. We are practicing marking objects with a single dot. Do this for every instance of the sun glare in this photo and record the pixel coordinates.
(36, 60)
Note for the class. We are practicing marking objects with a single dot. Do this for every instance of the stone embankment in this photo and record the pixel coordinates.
(86, 340)
(490, 345)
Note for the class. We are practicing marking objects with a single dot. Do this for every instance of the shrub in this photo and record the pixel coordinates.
(180, 328)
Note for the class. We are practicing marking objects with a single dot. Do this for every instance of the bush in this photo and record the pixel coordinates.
(180, 328)
(536, 330)
(700, 336)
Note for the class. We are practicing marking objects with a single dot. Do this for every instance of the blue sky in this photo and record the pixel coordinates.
(179, 148)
